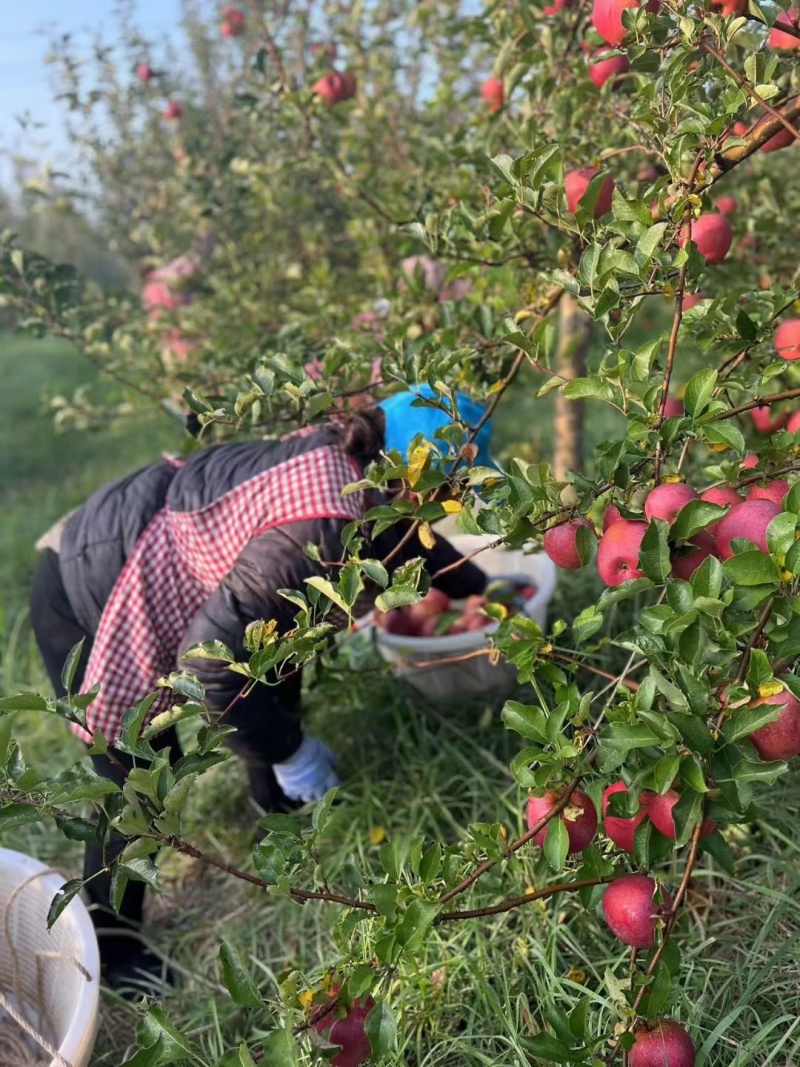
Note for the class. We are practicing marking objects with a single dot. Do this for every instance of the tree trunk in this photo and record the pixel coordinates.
(575, 332)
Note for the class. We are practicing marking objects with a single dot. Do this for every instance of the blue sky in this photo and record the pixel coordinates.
(25, 78)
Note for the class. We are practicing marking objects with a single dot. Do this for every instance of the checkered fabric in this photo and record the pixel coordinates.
(181, 558)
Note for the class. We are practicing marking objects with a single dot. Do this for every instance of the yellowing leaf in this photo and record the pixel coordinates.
(717, 446)
(770, 689)
(577, 975)
(452, 507)
(426, 535)
(522, 314)
(416, 463)
(306, 999)
(377, 834)
(673, 479)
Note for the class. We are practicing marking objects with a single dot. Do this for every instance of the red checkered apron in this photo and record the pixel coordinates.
(181, 558)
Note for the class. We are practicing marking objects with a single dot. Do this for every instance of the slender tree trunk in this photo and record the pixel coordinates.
(575, 332)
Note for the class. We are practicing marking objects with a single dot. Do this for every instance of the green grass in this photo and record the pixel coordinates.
(478, 987)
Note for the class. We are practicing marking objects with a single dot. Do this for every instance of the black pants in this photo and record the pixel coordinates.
(266, 733)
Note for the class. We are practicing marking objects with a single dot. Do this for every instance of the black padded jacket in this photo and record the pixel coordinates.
(100, 536)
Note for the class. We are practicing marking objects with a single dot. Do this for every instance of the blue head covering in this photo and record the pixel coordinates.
(404, 421)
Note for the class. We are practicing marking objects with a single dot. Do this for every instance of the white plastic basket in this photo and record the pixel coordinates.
(56, 972)
(478, 675)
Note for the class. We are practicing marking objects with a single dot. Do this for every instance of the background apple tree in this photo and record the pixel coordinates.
(602, 204)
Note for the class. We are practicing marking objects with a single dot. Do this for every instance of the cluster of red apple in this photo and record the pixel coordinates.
(434, 616)
(618, 549)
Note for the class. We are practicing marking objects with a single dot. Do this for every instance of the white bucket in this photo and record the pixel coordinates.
(57, 972)
(478, 675)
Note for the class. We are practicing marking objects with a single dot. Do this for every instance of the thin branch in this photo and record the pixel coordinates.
(743, 84)
(516, 902)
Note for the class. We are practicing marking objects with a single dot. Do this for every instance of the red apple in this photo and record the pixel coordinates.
(493, 93)
(793, 425)
(144, 72)
(561, 543)
(576, 183)
(712, 234)
(674, 407)
(730, 7)
(777, 38)
(787, 339)
(726, 205)
(691, 300)
(432, 605)
(779, 739)
(750, 462)
(335, 87)
(610, 516)
(607, 18)
(173, 110)
(579, 818)
(782, 139)
(749, 519)
(398, 622)
(661, 1044)
(556, 6)
(618, 552)
(774, 491)
(765, 422)
(621, 831)
(232, 24)
(723, 495)
(687, 559)
(348, 1031)
(667, 500)
(630, 910)
(659, 807)
(613, 68)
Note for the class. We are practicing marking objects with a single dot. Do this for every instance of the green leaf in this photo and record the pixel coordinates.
(654, 553)
(699, 390)
(752, 567)
(325, 587)
(71, 665)
(237, 978)
(695, 516)
(546, 1048)
(650, 240)
(12, 815)
(58, 904)
(376, 572)
(723, 433)
(556, 844)
(75, 828)
(350, 583)
(157, 1026)
(24, 702)
(210, 650)
(381, 1029)
(397, 597)
(588, 388)
(416, 922)
(525, 719)
(781, 533)
(717, 847)
(624, 736)
(745, 720)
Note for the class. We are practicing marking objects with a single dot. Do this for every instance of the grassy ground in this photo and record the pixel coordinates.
(407, 769)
